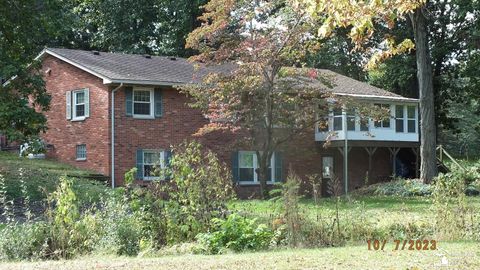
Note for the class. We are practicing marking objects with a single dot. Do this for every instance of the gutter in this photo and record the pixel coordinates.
(113, 134)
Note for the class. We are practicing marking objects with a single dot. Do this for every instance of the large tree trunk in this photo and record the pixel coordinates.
(428, 168)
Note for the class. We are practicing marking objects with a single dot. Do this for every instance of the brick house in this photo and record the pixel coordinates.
(111, 112)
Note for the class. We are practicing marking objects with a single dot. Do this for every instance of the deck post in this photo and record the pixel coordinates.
(370, 152)
(393, 153)
(417, 163)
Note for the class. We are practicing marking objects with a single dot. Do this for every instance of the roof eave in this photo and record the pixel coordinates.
(379, 98)
(105, 79)
(144, 82)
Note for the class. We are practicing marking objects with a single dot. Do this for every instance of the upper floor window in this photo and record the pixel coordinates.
(384, 123)
(399, 118)
(405, 118)
(351, 120)
(143, 102)
(411, 119)
(337, 119)
(77, 104)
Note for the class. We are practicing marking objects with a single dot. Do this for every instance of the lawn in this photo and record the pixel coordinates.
(449, 255)
(41, 178)
(361, 217)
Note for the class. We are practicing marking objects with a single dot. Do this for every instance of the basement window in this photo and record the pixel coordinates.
(81, 152)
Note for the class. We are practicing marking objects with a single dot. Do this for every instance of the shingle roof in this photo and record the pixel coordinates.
(134, 67)
(163, 70)
(344, 85)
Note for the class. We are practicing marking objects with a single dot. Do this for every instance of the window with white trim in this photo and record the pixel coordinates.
(337, 119)
(153, 162)
(79, 100)
(411, 119)
(351, 120)
(81, 152)
(384, 123)
(143, 103)
(399, 118)
(247, 165)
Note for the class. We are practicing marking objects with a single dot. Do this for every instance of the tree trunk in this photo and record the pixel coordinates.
(262, 173)
(428, 168)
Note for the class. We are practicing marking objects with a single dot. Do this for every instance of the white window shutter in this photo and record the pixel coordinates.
(69, 104)
(87, 102)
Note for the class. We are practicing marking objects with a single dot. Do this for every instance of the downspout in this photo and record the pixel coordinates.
(345, 151)
(112, 135)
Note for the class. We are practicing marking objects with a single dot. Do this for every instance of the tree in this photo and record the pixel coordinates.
(428, 141)
(139, 26)
(25, 26)
(360, 17)
(260, 91)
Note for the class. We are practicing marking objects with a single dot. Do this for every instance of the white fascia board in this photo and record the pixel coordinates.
(144, 82)
(105, 79)
(375, 97)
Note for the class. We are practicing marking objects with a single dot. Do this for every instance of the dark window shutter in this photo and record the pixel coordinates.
(235, 169)
(158, 99)
(278, 167)
(168, 157)
(140, 164)
(129, 101)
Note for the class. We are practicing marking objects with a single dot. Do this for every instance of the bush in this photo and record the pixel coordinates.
(121, 229)
(70, 232)
(398, 187)
(198, 192)
(235, 233)
(454, 219)
(24, 241)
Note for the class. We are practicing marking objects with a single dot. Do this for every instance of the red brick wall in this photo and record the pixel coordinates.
(65, 134)
(179, 122)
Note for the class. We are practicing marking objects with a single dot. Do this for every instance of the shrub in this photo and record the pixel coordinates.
(288, 200)
(198, 192)
(397, 187)
(235, 233)
(70, 232)
(24, 241)
(121, 229)
(454, 219)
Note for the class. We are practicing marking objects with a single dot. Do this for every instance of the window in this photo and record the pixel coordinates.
(152, 162)
(385, 123)
(322, 124)
(337, 119)
(399, 118)
(248, 163)
(411, 119)
(364, 123)
(81, 152)
(351, 120)
(77, 104)
(143, 103)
